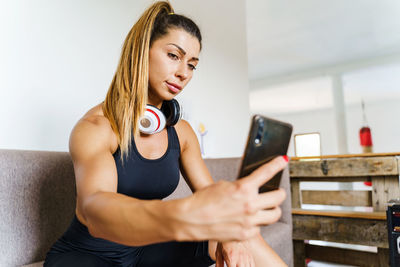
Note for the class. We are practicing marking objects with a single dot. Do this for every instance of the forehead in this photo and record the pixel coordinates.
(182, 38)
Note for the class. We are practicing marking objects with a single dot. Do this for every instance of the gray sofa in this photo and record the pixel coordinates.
(37, 200)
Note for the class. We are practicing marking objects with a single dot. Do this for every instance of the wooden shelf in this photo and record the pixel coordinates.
(349, 156)
(380, 215)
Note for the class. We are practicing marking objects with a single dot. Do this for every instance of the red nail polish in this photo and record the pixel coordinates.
(286, 158)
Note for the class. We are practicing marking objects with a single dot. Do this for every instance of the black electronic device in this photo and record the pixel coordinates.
(393, 225)
(267, 139)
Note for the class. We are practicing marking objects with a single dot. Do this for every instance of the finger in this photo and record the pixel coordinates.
(252, 262)
(267, 217)
(265, 172)
(269, 200)
(230, 260)
(249, 258)
(242, 262)
(245, 260)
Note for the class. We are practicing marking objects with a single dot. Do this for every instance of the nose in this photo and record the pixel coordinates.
(182, 72)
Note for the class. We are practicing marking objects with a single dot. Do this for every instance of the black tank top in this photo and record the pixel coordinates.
(139, 178)
(145, 178)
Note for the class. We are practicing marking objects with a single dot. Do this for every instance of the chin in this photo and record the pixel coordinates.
(169, 96)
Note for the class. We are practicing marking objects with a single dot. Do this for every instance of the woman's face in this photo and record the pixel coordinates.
(172, 61)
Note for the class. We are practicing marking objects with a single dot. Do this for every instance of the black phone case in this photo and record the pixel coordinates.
(264, 143)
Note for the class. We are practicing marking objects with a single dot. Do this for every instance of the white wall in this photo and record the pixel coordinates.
(319, 120)
(383, 119)
(57, 59)
(308, 105)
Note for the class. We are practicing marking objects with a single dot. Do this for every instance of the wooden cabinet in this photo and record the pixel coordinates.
(343, 226)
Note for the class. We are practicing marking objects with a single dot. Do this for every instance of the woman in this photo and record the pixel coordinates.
(123, 175)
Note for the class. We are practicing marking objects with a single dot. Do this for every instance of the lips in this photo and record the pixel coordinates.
(174, 87)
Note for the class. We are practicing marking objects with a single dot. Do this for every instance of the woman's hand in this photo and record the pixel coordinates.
(233, 211)
(235, 254)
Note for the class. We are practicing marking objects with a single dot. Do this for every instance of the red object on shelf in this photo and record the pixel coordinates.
(368, 183)
(365, 136)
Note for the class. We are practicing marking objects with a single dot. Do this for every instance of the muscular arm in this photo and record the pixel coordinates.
(106, 213)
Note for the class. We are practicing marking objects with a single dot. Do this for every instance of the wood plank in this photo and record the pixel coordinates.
(384, 188)
(343, 179)
(299, 253)
(384, 256)
(342, 214)
(391, 188)
(342, 230)
(349, 167)
(347, 256)
(378, 196)
(295, 193)
(341, 198)
(348, 156)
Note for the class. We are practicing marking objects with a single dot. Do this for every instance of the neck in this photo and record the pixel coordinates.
(154, 101)
(157, 104)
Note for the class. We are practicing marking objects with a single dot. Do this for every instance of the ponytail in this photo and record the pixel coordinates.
(127, 95)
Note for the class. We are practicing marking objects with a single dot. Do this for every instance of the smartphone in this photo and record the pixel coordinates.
(267, 139)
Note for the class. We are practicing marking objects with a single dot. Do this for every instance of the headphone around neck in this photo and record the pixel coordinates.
(154, 120)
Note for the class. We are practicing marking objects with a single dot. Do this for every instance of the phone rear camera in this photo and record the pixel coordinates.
(259, 134)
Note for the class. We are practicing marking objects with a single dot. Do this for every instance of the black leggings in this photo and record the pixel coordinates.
(78, 248)
(169, 254)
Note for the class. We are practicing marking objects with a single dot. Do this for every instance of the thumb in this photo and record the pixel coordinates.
(265, 172)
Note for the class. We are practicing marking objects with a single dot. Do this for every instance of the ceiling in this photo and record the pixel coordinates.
(316, 93)
(286, 37)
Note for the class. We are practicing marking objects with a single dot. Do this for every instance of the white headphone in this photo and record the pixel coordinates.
(154, 120)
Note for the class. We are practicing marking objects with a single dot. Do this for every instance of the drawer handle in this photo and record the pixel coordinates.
(324, 167)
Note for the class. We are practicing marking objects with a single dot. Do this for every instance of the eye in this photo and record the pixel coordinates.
(191, 67)
(173, 56)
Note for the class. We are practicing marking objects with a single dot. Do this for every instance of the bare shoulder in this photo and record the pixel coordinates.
(92, 134)
(185, 133)
(183, 125)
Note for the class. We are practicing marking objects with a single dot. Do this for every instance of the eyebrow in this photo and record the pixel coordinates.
(183, 51)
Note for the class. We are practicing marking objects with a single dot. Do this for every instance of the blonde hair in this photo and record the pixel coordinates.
(127, 95)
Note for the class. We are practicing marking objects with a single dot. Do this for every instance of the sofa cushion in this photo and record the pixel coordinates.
(279, 237)
(37, 202)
